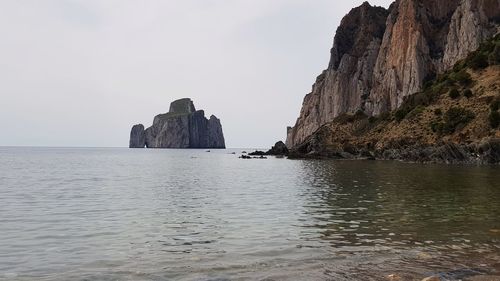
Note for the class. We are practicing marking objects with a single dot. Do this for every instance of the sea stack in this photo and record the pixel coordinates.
(181, 127)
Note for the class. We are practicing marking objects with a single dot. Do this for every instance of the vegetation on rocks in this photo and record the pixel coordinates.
(468, 93)
(487, 54)
(494, 116)
(455, 117)
(454, 93)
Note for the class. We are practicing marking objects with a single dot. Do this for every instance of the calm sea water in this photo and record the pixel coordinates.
(120, 214)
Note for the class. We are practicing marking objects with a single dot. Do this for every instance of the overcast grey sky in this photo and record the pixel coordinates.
(82, 72)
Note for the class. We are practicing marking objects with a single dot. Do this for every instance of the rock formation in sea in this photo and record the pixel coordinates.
(279, 149)
(182, 127)
(382, 56)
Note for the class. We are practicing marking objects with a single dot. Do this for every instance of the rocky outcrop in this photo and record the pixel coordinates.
(454, 119)
(137, 137)
(347, 82)
(279, 149)
(182, 127)
(215, 135)
(473, 22)
(380, 57)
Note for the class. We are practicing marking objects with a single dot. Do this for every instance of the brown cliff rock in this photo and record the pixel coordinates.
(454, 119)
(347, 82)
(380, 56)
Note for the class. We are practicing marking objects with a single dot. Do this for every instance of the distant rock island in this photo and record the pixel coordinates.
(182, 127)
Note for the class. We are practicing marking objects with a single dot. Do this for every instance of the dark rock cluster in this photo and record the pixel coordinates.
(279, 149)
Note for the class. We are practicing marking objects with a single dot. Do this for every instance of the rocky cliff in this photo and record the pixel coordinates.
(182, 127)
(380, 57)
(455, 118)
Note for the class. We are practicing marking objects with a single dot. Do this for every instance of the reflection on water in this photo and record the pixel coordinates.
(367, 201)
(119, 214)
(417, 219)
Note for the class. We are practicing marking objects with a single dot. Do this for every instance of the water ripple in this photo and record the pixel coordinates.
(119, 214)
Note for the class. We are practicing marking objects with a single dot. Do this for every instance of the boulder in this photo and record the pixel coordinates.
(279, 149)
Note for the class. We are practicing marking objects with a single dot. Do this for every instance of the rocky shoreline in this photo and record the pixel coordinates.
(487, 152)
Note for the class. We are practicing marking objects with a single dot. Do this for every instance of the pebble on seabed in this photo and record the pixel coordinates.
(394, 277)
(432, 278)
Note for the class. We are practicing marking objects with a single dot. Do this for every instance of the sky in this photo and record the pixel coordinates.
(82, 72)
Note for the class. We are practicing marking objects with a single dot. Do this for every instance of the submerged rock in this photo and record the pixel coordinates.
(182, 127)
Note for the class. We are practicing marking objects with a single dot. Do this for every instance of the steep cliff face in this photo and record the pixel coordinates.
(455, 118)
(182, 127)
(215, 135)
(347, 82)
(472, 23)
(137, 136)
(393, 54)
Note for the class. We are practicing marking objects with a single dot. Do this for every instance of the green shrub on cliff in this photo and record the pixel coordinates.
(495, 104)
(415, 112)
(487, 54)
(436, 126)
(467, 93)
(494, 116)
(453, 119)
(400, 114)
(454, 93)
(494, 119)
(478, 61)
(462, 77)
(494, 56)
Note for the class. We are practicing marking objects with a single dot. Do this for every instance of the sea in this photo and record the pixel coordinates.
(137, 214)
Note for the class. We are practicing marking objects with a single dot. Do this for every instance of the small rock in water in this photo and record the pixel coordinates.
(424, 256)
(257, 153)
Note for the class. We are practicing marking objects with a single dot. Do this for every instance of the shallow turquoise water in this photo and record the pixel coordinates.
(120, 214)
